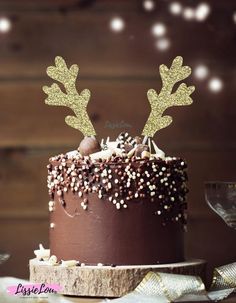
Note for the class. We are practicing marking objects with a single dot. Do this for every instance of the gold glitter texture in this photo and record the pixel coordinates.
(71, 98)
(165, 99)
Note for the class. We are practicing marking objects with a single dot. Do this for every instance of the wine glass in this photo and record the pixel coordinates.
(221, 197)
(3, 257)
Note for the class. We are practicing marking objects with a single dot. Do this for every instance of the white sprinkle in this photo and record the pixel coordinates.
(118, 205)
(114, 201)
(163, 168)
(158, 212)
(116, 181)
(116, 194)
(80, 194)
(100, 264)
(51, 203)
(109, 185)
(136, 195)
(172, 199)
(122, 201)
(85, 207)
(152, 193)
(52, 225)
(50, 208)
(125, 206)
(166, 207)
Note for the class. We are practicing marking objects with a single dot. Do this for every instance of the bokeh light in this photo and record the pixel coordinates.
(163, 44)
(215, 85)
(158, 29)
(149, 5)
(188, 13)
(234, 17)
(201, 72)
(202, 11)
(117, 24)
(175, 8)
(5, 25)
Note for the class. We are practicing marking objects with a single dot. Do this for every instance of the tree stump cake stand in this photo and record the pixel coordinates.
(106, 281)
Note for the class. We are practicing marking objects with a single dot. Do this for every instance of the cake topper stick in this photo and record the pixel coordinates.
(71, 98)
(165, 99)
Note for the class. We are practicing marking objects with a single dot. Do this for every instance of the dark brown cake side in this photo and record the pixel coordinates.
(117, 212)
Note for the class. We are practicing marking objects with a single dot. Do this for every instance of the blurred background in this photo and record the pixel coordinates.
(118, 46)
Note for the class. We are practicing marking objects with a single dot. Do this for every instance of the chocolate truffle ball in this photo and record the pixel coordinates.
(89, 145)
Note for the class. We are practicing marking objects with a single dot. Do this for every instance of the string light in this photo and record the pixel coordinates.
(175, 8)
(202, 11)
(149, 5)
(215, 85)
(117, 24)
(158, 29)
(188, 13)
(163, 44)
(5, 25)
(201, 72)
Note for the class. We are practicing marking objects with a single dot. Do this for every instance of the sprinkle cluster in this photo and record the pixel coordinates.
(122, 181)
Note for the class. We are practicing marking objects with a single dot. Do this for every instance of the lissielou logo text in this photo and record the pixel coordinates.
(29, 290)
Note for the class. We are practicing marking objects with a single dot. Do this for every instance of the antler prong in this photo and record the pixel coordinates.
(160, 102)
(71, 98)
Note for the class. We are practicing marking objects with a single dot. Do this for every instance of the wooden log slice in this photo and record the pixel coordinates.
(105, 281)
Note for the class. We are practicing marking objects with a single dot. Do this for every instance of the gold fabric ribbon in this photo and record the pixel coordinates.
(173, 287)
(165, 287)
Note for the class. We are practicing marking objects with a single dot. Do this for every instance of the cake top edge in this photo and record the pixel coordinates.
(124, 149)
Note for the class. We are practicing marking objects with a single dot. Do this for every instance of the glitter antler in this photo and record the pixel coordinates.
(160, 102)
(72, 99)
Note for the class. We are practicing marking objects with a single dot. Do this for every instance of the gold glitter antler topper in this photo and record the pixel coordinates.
(160, 102)
(72, 99)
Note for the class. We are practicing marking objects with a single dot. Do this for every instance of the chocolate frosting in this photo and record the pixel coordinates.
(104, 235)
(88, 225)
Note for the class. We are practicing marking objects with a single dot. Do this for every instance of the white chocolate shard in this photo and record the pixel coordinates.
(112, 144)
(103, 154)
(69, 263)
(158, 152)
(42, 253)
(73, 154)
(52, 260)
(131, 152)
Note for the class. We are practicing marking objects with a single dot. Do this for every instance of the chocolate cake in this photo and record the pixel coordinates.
(120, 202)
(117, 206)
